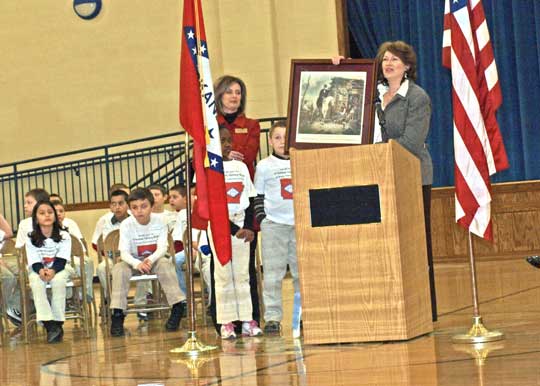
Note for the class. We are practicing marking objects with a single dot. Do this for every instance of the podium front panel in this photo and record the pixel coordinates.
(364, 281)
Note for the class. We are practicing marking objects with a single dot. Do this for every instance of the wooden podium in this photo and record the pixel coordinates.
(364, 281)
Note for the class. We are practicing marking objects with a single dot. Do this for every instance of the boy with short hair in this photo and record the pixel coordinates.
(178, 200)
(98, 230)
(275, 214)
(160, 199)
(25, 226)
(111, 221)
(143, 247)
(73, 229)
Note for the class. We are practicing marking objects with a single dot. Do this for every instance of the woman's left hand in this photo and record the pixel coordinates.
(236, 155)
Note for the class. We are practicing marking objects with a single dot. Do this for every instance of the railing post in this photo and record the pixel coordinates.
(17, 204)
(106, 198)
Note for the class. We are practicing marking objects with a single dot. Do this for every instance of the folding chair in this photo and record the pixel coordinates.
(104, 299)
(7, 252)
(110, 247)
(76, 282)
(4, 324)
(199, 295)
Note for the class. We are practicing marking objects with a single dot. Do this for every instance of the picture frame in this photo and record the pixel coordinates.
(330, 105)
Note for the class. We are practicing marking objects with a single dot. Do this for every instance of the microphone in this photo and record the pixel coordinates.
(382, 119)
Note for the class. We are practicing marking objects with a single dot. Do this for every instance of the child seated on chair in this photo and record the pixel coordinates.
(232, 289)
(48, 249)
(177, 200)
(160, 198)
(143, 247)
(275, 213)
(111, 221)
(73, 229)
(98, 230)
(8, 265)
(23, 230)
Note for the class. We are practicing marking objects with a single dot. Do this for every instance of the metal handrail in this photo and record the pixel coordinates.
(161, 163)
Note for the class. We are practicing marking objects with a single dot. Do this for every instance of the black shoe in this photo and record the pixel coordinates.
(55, 332)
(176, 316)
(534, 261)
(184, 309)
(142, 316)
(272, 328)
(117, 323)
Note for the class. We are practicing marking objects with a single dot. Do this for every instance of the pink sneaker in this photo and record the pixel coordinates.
(227, 331)
(251, 328)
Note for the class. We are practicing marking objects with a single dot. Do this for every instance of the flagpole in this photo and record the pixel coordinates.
(193, 347)
(477, 333)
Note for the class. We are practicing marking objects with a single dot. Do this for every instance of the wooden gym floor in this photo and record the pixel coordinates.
(510, 297)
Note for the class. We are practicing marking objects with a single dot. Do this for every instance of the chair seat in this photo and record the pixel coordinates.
(69, 284)
(144, 277)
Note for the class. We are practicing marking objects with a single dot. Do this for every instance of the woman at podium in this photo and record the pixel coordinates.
(403, 113)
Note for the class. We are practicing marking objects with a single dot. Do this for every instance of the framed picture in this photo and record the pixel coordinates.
(330, 105)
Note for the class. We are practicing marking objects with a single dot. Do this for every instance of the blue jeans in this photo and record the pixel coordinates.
(180, 258)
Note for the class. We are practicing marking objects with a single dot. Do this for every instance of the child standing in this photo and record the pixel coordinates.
(274, 212)
(48, 250)
(143, 246)
(232, 290)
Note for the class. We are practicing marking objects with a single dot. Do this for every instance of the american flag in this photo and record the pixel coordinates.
(198, 117)
(476, 96)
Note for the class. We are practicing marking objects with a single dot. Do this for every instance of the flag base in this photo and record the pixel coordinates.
(480, 351)
(478, 334)
(193, 347)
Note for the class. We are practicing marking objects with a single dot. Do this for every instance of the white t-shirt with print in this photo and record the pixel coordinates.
(238, 186)
(273, 179)
(25, 227)
(138, 242)
(50, 251)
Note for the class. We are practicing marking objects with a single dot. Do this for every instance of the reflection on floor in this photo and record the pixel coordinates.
(142, 357)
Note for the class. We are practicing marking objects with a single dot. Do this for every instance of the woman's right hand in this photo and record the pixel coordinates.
(337, 59)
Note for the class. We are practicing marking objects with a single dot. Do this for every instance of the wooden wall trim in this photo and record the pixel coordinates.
(87, 206)
(515, 215)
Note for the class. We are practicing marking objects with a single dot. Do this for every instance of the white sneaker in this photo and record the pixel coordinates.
(227, 331)
(251, 328)
(14, 316)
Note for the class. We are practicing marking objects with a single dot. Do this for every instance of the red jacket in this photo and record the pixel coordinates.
(246, 135)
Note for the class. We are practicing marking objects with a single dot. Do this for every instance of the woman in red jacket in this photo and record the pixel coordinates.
(230, 94)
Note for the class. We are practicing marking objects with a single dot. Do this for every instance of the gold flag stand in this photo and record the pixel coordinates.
(193, 347)
(478, 333)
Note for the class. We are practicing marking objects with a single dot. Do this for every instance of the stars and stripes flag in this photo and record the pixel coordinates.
(198, 117)
(476, 96)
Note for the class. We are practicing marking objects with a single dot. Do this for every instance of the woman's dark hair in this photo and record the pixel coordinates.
(36, 236)
(222, 84)
(403, 51)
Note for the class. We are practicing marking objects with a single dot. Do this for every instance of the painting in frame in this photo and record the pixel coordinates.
(330, 105)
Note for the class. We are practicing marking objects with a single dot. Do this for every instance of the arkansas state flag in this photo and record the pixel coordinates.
(198, 117)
